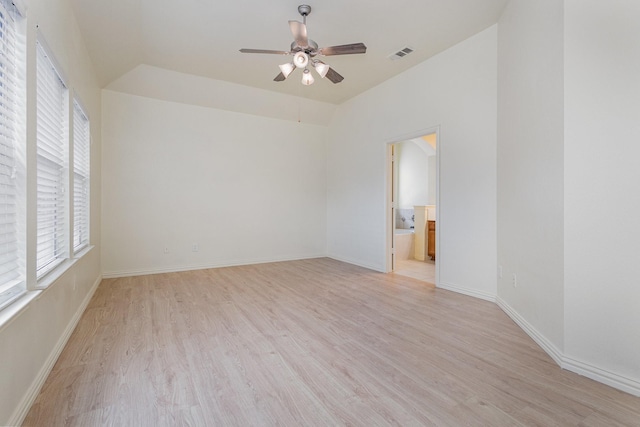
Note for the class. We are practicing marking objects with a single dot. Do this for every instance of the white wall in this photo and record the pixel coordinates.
(530, 165)
(158, 83)
(455, 90)
(32, 335)
(601, 227)
(413, 175)
(432, 170)
(568, 103)
(244, 188)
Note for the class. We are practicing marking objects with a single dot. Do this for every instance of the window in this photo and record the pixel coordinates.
(81, 155)
(12, 142)
(52, 164)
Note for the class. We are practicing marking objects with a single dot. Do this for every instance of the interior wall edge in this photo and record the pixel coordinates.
(358, 263)
(32, 393)
(549, 348)
(176, 269)
(614, 380)
(168, 85)
(467, 291)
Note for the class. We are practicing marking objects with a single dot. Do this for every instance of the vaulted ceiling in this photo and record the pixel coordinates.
(203, 37)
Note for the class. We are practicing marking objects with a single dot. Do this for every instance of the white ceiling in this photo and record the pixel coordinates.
(202, 37)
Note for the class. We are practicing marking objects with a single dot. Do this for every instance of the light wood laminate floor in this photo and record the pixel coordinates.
(308, 343)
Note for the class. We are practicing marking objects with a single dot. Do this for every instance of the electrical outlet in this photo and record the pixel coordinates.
(515, 280)
(500, 272)
(195, 248)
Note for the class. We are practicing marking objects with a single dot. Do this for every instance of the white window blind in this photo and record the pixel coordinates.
(52, 142)
(81, 156)
(12, 64)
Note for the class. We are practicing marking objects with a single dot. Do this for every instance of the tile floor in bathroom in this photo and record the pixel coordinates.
(421, 270)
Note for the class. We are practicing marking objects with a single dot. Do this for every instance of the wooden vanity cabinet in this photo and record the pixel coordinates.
(431, 239)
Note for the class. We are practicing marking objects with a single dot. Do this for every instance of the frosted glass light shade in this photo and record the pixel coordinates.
(287, 69)
(300, 59)
(307, 78)
(321, 68)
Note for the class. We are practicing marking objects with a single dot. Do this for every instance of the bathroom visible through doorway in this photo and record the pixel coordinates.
(412, 199)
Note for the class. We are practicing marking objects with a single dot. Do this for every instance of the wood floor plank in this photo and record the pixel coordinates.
(313, 342)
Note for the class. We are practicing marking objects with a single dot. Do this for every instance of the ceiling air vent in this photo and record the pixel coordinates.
(401, 53)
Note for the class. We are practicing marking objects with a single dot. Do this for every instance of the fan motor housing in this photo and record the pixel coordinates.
(311, 49)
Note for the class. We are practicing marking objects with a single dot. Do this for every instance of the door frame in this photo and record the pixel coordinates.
(389, 206)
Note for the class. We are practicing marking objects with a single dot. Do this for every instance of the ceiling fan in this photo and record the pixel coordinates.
(304, 52)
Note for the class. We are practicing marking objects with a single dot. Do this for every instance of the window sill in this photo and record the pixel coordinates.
(10, 312)
(55, 273)
(59, 270)
(82, 252)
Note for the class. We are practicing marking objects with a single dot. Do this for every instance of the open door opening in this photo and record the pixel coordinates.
(412, 195)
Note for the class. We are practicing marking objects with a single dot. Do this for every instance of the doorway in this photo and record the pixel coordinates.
(412, 205)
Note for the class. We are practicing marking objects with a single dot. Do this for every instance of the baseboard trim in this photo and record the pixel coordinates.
(175, 269)
(540, 339)
(466, 291)
(581, 368)
(358, 263)
(30, 396)
(597, 374)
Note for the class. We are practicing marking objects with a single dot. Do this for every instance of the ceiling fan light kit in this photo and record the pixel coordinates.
(300, 59)
(304, 50)
(321, 68)
(287, 69)
(307, 78)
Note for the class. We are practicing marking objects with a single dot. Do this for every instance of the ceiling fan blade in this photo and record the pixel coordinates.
(279, 78)
(275, 52)
(334, 76)
(299, 31)
(345, 49)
